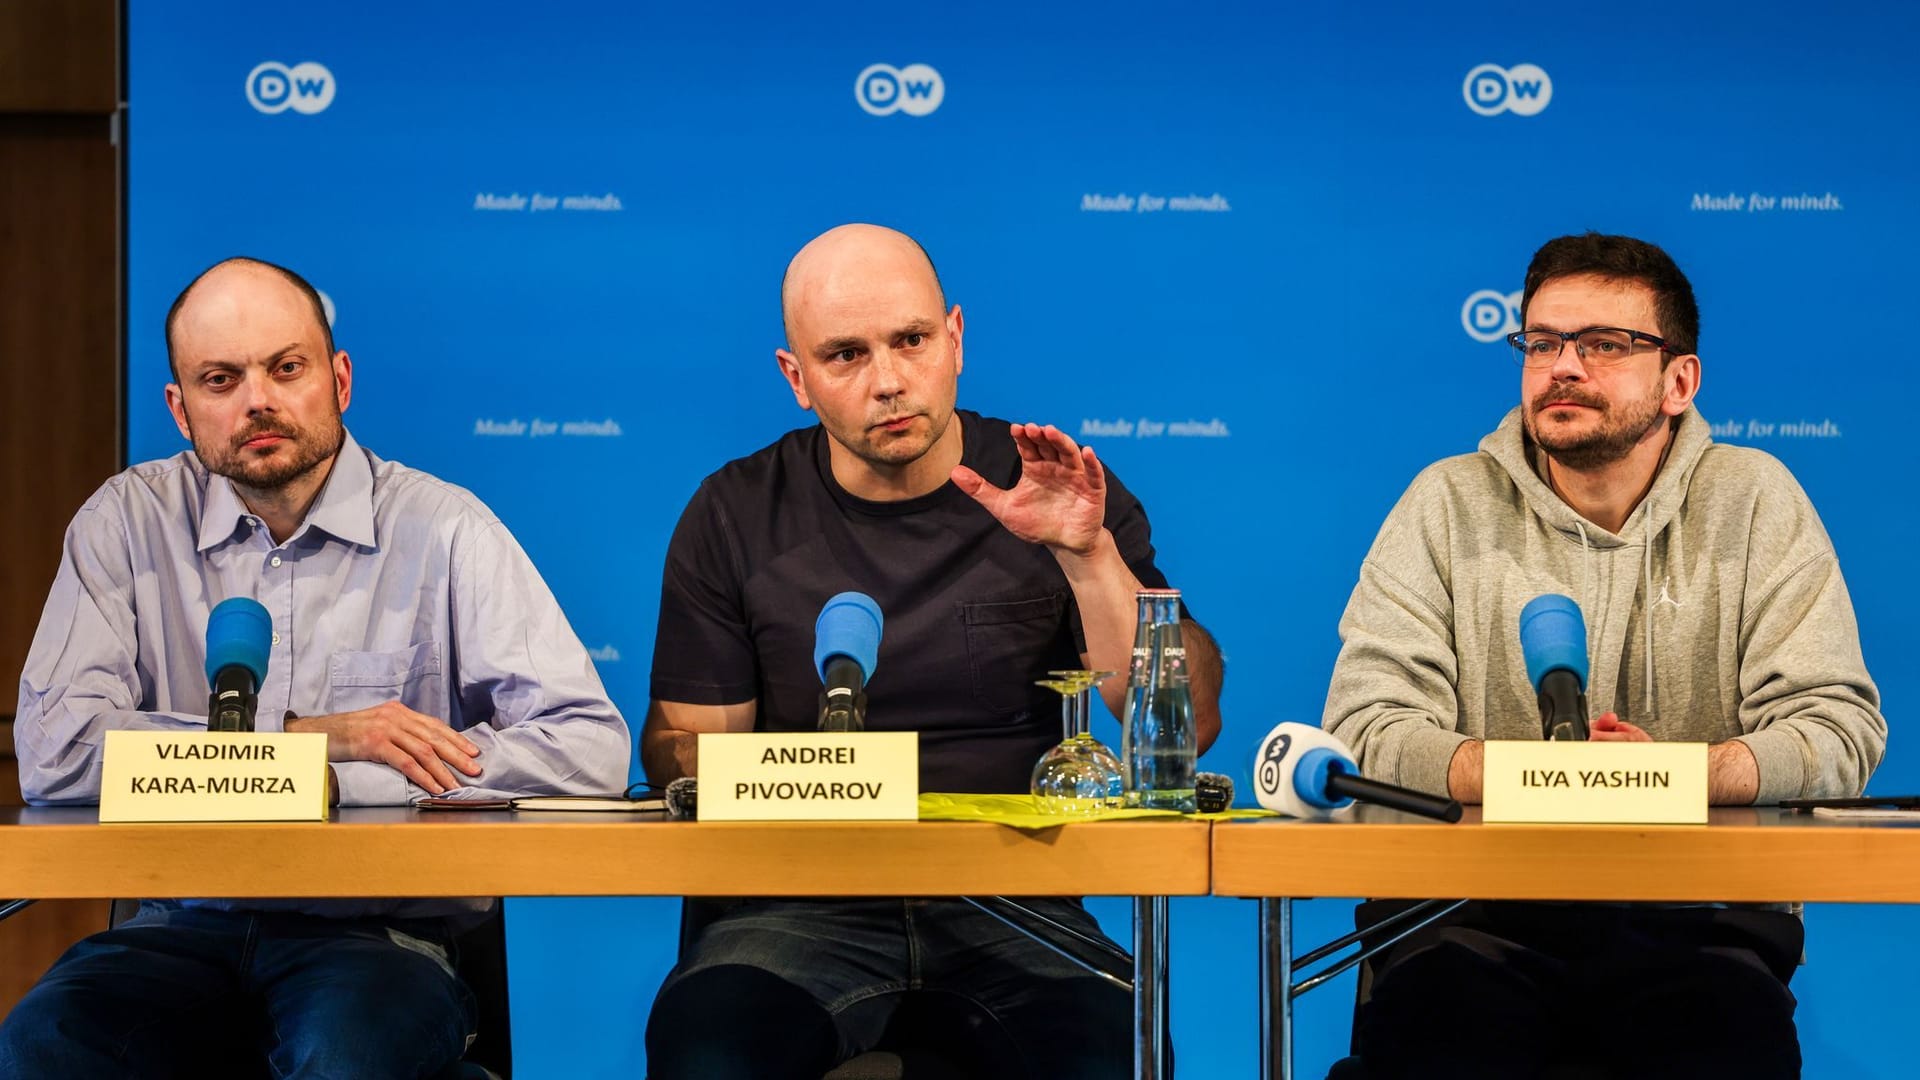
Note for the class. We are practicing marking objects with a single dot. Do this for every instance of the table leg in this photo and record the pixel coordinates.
(1151, 1047)
(1276, 988)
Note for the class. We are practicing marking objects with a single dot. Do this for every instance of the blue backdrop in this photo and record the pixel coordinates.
(1260, 258)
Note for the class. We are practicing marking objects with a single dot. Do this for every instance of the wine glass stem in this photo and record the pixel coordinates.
(1068, 722)
(1083, 719)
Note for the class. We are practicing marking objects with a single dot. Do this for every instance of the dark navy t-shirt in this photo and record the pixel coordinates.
(973, 614)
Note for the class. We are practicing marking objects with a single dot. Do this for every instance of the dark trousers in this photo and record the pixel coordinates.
(1515, 989)
(776, 989)
(181, 992)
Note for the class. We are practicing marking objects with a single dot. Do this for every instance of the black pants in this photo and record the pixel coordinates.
(1504, 989)
(786, 989)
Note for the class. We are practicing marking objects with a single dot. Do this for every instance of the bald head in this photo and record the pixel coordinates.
(847, 257)
(233, 283)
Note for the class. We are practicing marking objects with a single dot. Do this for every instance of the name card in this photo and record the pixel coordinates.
(214, 776)
(1598, 783)
(810, 776)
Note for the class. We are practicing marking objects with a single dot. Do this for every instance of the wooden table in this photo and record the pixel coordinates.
(1741, 854)
(66, 852)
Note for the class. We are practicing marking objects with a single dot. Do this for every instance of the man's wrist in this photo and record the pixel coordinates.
(1073, 561)
(1466, 771)
(1733, 774)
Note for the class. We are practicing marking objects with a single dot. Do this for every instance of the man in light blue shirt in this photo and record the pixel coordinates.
(408, 626)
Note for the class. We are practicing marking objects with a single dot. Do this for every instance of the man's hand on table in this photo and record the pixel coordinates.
(418, 745)
(1733, 774)
(1610, 728)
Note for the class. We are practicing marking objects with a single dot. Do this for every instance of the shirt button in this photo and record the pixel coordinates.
(276, 639)
(275, 560)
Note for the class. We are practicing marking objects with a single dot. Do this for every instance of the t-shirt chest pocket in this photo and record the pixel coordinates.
(1010, 645)
(412, 676)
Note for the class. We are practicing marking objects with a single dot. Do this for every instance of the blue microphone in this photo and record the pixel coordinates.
(846, 646)
(1553, 638)
(239, 636)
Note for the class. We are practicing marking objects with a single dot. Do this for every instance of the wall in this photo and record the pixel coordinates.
(1349, 198)
(60, 359)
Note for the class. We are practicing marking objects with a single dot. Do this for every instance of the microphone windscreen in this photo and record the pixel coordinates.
(239, 632)
(682, 797)
(849, 626)
(1276, 767)
(1553, 637)
(1212, 792)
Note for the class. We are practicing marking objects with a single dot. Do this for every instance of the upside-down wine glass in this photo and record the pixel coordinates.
(1080, 776)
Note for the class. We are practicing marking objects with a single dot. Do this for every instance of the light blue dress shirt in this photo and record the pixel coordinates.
(398, 586)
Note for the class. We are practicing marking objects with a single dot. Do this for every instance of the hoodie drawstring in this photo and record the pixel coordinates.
(1647, 591)
(1586, 567)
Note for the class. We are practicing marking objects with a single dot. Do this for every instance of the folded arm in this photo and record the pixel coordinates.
(549, 728)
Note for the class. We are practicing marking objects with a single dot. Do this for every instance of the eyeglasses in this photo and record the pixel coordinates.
(1599, 346)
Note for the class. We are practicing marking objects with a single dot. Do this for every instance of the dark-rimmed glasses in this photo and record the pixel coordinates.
(1599, 346)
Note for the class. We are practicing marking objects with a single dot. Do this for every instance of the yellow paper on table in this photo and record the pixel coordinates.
(1020, 811)
(214, 776)
(1596, 783)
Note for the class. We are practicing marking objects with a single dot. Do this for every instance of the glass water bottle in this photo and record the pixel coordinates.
(1160, 742)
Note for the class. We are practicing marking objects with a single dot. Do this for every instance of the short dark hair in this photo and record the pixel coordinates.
(306, 289)
(1623, 259)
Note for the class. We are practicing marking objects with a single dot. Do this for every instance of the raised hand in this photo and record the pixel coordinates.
(1061, 497)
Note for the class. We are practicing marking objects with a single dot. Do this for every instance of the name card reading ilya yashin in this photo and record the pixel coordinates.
(214, 776)
(1610, 783)
(810, 776)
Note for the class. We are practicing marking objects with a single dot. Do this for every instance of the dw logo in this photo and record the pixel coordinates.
(915, 89)
(1490, 315)
(305, 88)
(1268, 774)
(1523, 89)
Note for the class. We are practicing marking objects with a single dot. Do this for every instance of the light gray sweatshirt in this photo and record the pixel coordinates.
(1717, 612)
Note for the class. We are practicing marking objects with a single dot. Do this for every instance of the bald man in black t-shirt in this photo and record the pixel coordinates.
(997, 552)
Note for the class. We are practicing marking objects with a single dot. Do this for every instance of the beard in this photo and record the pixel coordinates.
(1620, 428)
(303, 452)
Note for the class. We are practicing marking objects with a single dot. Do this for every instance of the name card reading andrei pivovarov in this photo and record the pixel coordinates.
(1598, 783)
(214, 776)
(810, 776)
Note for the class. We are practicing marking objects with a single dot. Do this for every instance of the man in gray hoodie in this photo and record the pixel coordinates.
(1715, 613)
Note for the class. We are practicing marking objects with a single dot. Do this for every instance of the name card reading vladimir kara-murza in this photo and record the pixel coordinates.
(810, 776)
(1598, 783)
(214, 776)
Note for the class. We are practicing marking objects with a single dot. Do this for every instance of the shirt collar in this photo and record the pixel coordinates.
(343, 509)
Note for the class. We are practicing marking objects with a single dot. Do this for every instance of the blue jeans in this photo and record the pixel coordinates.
(193, 992)
(779, 988)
